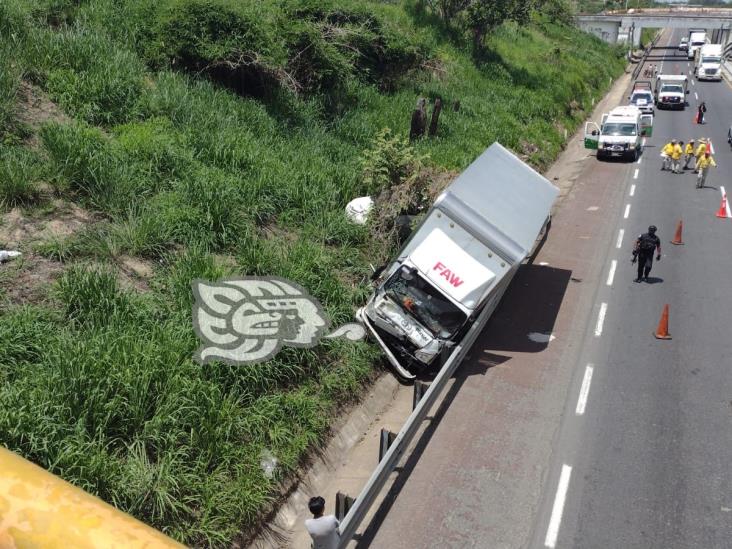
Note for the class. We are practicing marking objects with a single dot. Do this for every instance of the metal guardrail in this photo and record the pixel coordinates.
(378, 478)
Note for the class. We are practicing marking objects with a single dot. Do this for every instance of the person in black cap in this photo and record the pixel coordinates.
(645, 245)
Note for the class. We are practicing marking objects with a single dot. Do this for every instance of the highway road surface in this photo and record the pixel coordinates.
(570, 425)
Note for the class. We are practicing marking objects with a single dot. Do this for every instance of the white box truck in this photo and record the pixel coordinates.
(696, 41)
(458, 262)
(708, 62)
(620, 133)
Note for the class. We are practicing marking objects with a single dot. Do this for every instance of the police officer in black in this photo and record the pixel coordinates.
(645, 245)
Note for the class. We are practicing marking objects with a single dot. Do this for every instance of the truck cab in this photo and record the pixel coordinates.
(671, 91)
(620, 134)
(458, 262)
(708, 62)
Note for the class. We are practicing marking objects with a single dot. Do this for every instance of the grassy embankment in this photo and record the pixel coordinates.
(195, 180)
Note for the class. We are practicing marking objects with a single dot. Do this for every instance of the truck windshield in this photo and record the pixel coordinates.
(672, 88)
(425, 302)
(711, 59)
(697, 43)
(618, 128)
(644, 96)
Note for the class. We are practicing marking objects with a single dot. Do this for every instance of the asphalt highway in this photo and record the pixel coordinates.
(571, 425)
(648, 462)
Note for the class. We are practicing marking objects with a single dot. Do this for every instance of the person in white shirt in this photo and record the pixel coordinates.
(323, 529)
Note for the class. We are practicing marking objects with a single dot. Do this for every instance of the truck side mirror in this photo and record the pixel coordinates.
(594, 132)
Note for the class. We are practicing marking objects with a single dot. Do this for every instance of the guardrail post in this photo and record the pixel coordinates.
(343, 504)
(420, 388)
(385, 440)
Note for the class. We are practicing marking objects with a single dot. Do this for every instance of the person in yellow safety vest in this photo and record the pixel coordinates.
(689, 152)
(676, 155)
(703, 165)
(700, 150)
(666, 152)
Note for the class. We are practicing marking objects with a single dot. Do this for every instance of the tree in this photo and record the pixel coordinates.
(485, 15)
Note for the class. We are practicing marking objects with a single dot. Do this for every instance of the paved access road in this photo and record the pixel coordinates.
(649, 462)
(640, 451)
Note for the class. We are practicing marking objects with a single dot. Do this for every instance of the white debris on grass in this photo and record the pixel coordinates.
(7, 255)
(357, 210)
(268, 463)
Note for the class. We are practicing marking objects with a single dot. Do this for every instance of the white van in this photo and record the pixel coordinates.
(709, 62)
(620, 133)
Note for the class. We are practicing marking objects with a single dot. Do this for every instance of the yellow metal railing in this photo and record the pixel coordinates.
(39, 510)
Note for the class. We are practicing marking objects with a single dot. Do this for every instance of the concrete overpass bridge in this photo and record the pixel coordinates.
(609, 26)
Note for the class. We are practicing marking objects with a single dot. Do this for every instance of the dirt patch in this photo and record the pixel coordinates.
(28, 279)
(134, 273)
(34, 109)
(18, 229)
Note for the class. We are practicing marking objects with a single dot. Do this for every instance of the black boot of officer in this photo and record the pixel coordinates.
(645, 245)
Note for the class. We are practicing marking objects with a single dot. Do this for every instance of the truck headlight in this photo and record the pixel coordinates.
(428, 353)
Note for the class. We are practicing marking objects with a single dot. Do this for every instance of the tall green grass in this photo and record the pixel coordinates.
(192, 168)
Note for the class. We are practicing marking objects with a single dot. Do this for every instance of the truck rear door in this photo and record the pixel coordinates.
(592, 135)
(646, 125)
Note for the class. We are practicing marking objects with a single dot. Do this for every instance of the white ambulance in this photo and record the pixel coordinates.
(620, 133)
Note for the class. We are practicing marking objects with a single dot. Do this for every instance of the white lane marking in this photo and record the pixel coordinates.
(689, 70)
(640, 160)
(693, 83)
(584, 391)
(635, 175)
(593, 208)
(711, 147)
(600, 319)
(619, 243)
(696, 96)
(724, 193)
(644, 141)
(632, 190)
(627, 211)
(552, 531)
(611, 274)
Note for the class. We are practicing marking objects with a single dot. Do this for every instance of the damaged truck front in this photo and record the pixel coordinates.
(459, 261)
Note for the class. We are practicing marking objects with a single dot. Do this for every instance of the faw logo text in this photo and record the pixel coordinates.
(451, 277)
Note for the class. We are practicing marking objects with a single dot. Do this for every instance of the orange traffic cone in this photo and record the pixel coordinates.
(662, 330)
(677, 238)
(722, 212)
(709, 146)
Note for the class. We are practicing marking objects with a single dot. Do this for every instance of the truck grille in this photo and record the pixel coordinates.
(710, 71)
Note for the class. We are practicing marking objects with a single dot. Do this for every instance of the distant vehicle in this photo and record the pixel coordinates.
(620, 133)
(457, 264)
(671, 91)
(684, 44)
(696, 41)
(708, 62)
(642, 97)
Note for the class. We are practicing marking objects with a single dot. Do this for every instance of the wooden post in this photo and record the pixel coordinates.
(435, 117)
(419, 119)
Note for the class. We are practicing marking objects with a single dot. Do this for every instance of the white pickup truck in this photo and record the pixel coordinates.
(671, 91)
(458, 262)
